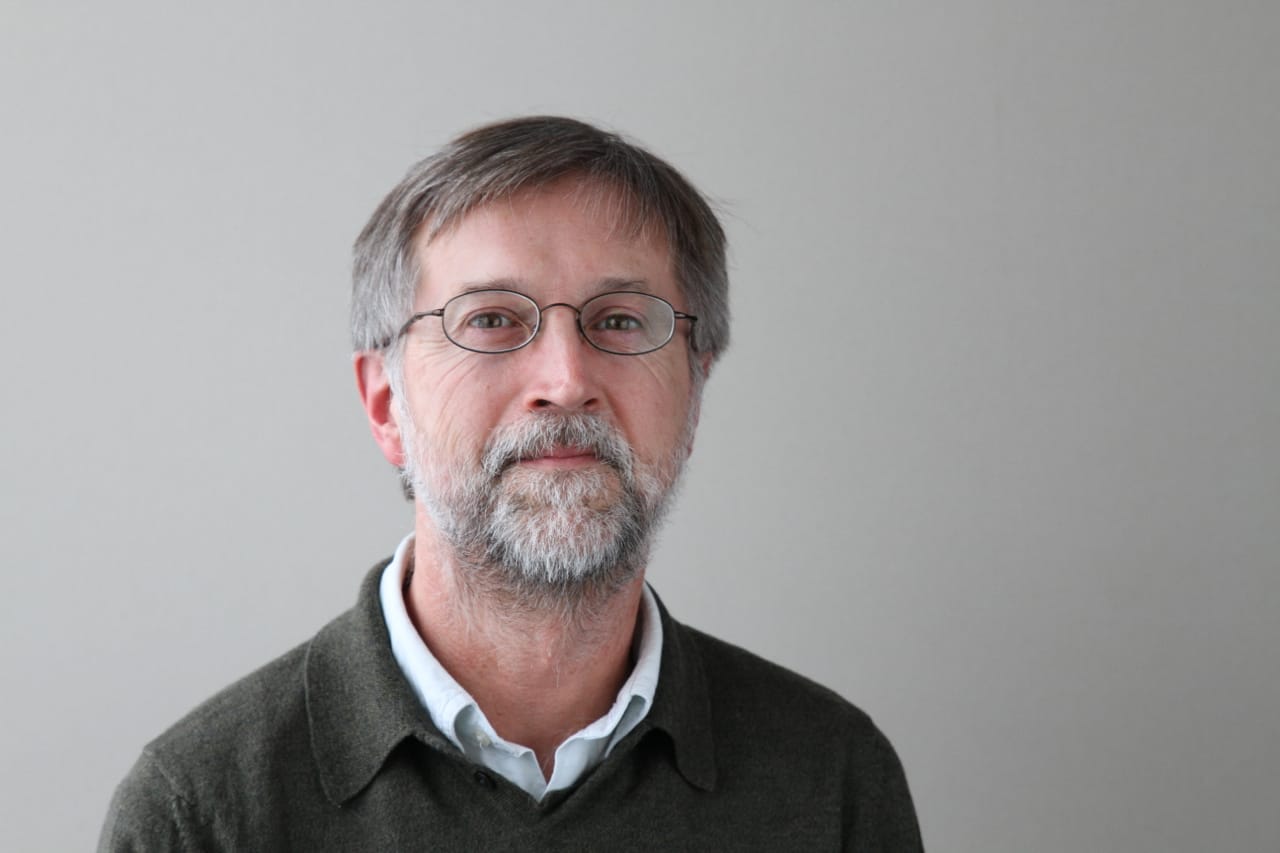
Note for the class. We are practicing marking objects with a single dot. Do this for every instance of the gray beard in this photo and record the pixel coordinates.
(537, 539)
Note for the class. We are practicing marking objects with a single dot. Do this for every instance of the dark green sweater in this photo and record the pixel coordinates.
(327, 748)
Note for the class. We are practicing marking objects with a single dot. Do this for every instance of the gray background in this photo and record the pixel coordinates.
(995, 452)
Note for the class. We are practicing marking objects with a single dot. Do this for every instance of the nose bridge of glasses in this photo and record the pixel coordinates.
(577, 316)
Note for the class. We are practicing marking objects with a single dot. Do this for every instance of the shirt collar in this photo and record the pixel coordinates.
(443, 697)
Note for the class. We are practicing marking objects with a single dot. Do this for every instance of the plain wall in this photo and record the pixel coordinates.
(994, 453)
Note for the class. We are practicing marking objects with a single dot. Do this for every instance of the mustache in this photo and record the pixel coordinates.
(540, 434)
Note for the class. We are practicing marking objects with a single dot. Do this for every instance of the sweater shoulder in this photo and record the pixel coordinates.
(773, 726)
(241, 731)
(254, 702)
(217, 764)
(769, 703)
(731, 667)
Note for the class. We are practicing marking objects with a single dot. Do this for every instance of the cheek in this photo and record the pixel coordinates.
(659, 418)
(443, 402)
(455, 410)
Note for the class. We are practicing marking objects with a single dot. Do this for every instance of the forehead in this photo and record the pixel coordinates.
(561, 240)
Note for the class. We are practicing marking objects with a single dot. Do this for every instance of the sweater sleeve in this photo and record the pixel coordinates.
(145, 814)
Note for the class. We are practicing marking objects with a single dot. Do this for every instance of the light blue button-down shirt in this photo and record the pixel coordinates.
(460, 719)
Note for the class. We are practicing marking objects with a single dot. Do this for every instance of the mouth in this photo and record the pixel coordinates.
(560, 458)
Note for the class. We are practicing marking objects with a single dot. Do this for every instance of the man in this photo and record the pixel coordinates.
(536, 309)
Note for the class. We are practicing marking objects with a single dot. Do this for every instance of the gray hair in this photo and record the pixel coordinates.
(499, 160)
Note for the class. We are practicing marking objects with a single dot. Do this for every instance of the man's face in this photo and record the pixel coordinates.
(555, 459)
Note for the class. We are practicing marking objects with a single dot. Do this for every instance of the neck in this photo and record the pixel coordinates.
(541, 667)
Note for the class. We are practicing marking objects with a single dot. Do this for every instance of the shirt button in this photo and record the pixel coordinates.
(484, 780)
(483, 741)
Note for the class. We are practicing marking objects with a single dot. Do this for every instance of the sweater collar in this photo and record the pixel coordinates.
(682, 703)
(361, 707)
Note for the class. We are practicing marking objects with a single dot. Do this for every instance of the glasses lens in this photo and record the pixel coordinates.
(490, 320)
(628, 323)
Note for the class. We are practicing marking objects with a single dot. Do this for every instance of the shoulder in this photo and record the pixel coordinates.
(257, 732)
(233, 726)
(777, 731)
(240, 726)
(224, 756)
(771, 692)
(767, 718)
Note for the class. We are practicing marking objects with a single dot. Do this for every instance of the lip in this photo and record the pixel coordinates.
(562, 457)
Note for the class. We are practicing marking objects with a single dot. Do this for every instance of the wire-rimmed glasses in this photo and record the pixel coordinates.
(622, 322)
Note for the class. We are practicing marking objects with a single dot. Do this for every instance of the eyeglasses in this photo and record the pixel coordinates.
(623, 322)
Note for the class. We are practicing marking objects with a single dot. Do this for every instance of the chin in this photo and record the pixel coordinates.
(559, 543)
(592, 490)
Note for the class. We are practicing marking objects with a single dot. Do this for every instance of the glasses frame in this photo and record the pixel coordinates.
(542, 309)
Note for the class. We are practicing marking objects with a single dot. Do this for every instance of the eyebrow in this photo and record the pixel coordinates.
(492, 284)
(605, 285)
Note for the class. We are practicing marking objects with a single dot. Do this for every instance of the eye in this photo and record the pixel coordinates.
(491, 319)
(617, 321)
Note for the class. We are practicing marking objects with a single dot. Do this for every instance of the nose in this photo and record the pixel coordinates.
(562, 366)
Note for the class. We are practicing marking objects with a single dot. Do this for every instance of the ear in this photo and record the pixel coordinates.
(375, 395)
(696, 397)
(706, 358)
